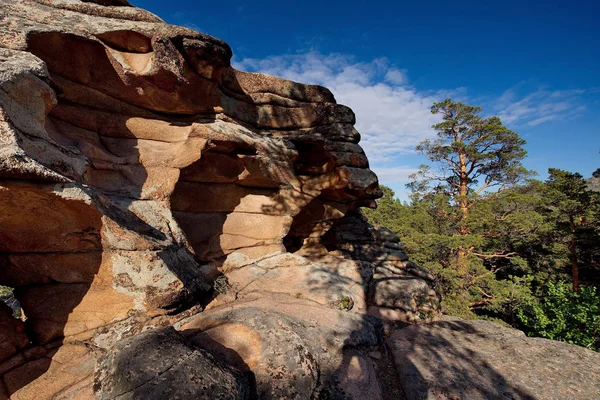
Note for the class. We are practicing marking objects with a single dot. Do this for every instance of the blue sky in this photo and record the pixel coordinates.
(534, 64)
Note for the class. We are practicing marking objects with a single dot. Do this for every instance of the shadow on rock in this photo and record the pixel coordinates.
(160, 364)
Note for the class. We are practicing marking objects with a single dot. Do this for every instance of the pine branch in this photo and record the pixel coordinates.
(489, 256)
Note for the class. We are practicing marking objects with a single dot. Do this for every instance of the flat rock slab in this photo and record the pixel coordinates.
(458, 359)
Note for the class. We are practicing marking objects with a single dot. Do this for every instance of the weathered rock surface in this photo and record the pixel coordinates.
(397, 290)
(136, 168)
(458, 359)
(12, 333)
(289, 344)
(159, 364)
(174, 228)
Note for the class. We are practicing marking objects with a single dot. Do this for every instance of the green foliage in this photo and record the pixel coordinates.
(594, 181)
(562, 314)
(343, 303)
(575, 213)
(429, 235)
(518, 289)
(389, 210)
(6, 295)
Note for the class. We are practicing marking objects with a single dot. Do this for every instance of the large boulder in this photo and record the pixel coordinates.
(295, 348)
(159, 364)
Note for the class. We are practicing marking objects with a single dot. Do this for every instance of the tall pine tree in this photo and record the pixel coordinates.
(472, 157)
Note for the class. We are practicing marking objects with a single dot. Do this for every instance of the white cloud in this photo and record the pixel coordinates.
(396, 76)
(397, 174)
(392, 117)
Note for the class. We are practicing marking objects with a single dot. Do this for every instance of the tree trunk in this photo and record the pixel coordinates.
(462, 202)
(464, 209)
(573, 255)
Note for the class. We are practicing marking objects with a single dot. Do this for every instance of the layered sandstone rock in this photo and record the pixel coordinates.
(136, 168)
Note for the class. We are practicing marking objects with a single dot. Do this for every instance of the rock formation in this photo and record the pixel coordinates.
(144, 182)
(173, 227)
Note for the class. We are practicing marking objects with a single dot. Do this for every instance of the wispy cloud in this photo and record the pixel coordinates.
(396, 177)
(398, 174)
(391, 115)
(396, 76)
(522, 106)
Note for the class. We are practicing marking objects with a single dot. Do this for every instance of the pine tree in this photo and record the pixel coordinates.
(472, 157)
(575, 210)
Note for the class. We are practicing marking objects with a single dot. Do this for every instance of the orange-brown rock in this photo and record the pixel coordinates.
(12, 333)
(141, 176)
(294, 347)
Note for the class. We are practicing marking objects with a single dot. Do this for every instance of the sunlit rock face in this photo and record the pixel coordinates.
(136, 167)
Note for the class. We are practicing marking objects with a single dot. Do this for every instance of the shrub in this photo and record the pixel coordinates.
(562, 314)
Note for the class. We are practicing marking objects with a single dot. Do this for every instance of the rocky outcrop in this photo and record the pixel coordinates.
(143, 179)
(398, 290)
(458, 359)
(593, 183)
(175, 228)
(294, 348)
